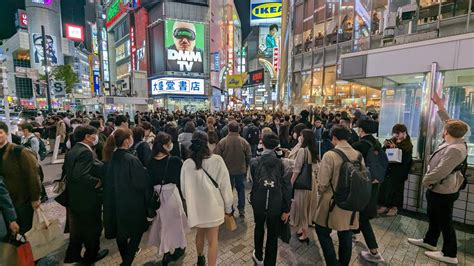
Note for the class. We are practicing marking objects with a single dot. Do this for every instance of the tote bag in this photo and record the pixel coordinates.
(16, 251)
(304, 181)
(45, 236)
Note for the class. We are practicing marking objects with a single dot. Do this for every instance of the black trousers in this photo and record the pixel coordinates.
(273, 230)
(391, 192)
(440, 216)
(345, 246)
(85, 229)
(366, 215)
(128, 246)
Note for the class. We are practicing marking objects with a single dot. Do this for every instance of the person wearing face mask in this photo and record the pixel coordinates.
(296, 142)
(127, 193)
(391, 190)
(84, 181)
(169, 226)
(140, 148)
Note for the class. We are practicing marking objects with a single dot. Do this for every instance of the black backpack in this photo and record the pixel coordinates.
(133, 149)
(253, 135)
(376, 161)
(266, 195)
(42, 148)
(354, 186)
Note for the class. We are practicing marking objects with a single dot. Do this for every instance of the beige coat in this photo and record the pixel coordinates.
(329, 168)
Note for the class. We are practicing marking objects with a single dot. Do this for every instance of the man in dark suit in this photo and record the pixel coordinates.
(83, 172)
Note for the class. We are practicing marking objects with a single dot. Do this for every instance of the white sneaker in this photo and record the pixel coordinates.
(368, 256)
(420, 243)
(258, 262)
(439, 256)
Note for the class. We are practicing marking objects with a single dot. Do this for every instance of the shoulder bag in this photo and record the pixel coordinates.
(304, 181)
(229, 220)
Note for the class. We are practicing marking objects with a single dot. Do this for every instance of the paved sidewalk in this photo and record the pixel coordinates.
(235, 248)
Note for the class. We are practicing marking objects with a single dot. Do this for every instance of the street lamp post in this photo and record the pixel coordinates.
(46, 71)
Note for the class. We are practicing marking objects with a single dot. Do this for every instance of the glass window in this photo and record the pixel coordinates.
(458, 93)
(346, 20)
(319, 11)
(318, 35)
(329, 81)
(401, 104)
(379, 12)
(429, 10)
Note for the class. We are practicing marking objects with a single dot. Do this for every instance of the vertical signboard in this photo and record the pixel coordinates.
(133, 45)
(184, 42)
(21, 19)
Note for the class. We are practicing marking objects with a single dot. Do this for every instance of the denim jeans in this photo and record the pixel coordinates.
(237, 181)
(345, 246)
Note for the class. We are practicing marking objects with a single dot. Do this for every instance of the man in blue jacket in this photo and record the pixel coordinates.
(7, 212)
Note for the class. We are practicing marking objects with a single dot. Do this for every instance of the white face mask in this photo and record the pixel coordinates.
(300, 139)
(169, 148)
(295, 136)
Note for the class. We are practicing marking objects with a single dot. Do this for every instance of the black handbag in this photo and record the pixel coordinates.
(304, 181)
(155, 201)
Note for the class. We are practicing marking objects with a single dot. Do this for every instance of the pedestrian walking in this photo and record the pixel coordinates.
(20, 172)
(206, 188)
(169, 227)
(185, 138)
(236, 153)
(305, 202)
(330, 216)
(84, 182)
(270, 199)
(126, 195)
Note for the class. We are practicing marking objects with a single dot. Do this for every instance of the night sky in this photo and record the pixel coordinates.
(72, 11)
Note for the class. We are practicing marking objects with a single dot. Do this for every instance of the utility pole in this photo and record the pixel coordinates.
(4, 92)
(46, 72)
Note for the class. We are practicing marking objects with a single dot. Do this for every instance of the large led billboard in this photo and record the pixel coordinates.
(184, 44)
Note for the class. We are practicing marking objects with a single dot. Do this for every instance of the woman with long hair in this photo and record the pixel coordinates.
(296, 140)
(211, 133)
(303, 209)
(126, 196)
(391, 190)
(205, 184)
(169, 226)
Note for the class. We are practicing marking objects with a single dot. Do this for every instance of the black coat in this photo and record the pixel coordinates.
(126, 194)
(83, 172)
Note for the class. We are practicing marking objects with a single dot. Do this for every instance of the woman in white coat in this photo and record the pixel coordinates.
(205, 184)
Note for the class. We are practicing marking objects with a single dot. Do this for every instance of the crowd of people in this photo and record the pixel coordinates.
(168, 172)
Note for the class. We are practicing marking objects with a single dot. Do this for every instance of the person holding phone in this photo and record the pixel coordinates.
(391, 190)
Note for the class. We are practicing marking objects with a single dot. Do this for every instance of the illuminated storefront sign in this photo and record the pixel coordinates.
(133, 46)
(177, 86)
(21, 19)
(74, 32)
(96, 83)
(275, 58)
(43, 2)
(235, 81)
(119, 7)
(95, 42)
(256, 77)
(265, 12)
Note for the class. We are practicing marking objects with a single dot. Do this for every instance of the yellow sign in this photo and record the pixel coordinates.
(266, 10)
(235, 81)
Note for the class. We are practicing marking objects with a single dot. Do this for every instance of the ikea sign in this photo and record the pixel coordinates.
(265, 12)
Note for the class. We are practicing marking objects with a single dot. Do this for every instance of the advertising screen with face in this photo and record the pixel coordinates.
(184, 42)
(269, 38)
(51, 51)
